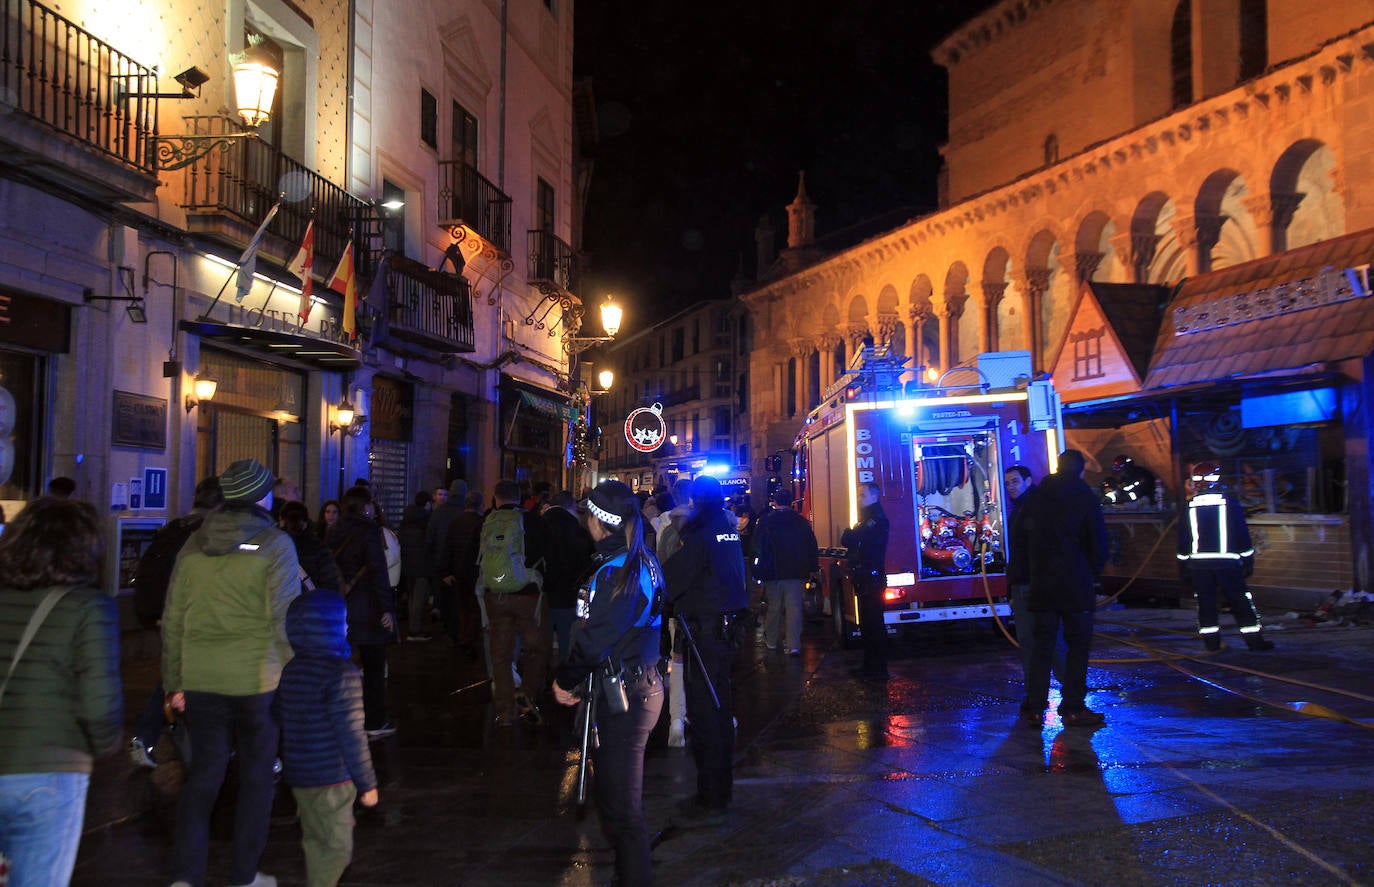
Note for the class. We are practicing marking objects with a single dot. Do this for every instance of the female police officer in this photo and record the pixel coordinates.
(618, 612)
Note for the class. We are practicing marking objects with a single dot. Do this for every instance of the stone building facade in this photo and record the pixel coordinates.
(1104, 141)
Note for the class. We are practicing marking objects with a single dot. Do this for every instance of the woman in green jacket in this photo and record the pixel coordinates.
(62, 705)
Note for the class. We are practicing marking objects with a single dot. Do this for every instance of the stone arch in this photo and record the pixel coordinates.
(962, 334)
(1307, 204)
(1156, 254)
(1222, 226)
(886, 316)
(1092, 246)
(1006, 331)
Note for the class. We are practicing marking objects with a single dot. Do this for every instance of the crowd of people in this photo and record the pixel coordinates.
(275, 631)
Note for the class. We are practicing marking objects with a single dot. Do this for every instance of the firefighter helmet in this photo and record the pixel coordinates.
(1121, 463)
(1206, 474)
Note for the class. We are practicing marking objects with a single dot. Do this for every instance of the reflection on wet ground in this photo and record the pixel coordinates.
(929, 778)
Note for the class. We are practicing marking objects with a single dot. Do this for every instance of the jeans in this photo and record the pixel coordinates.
(784, 601)
(1078, 633)
(216, 722)
(1024, 620)
(619, 763)
(561, 620)
(40, 825)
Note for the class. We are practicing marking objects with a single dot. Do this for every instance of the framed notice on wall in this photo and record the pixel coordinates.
(139, 421)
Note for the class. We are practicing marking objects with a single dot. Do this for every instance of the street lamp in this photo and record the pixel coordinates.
(204, 388)
(255, 87)
(611, 315)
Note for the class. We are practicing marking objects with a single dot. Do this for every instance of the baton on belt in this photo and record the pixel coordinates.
(701, 663)
(586, 711)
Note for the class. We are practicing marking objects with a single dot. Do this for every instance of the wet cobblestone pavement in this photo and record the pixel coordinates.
(1208, 771)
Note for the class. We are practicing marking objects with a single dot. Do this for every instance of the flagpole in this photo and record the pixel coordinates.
(249, 253)
(206, 314)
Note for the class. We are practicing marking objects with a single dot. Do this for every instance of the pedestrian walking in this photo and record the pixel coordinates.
(706, 590)
(223, 648)
(61, 698)
(786, 554)
(360, 552)
(1215, 551)
(569, 558)
(325, 756)
(511, 561)
(151, 579)
(866, 554)
(618, 633)
(1068, 548)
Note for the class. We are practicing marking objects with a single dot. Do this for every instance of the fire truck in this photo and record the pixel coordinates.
(938, 453)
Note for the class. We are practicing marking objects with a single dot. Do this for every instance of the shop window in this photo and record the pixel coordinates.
(21, 422)
(255, 414)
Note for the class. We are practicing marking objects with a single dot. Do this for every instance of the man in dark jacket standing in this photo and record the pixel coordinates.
(866, 553)
(448, 504)
(458, 577)
(705, 582)
(787, 554)
(1068, 548)
(569, 559)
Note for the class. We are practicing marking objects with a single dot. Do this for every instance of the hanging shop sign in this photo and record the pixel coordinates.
(645, 429)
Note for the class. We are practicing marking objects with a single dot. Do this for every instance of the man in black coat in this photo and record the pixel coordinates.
(1068, 548)
(866, 554)
(786, 555)
(569, 558)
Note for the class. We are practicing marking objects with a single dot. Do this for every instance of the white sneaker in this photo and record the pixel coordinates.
(677, 733)
(140, 754)
(259, 880)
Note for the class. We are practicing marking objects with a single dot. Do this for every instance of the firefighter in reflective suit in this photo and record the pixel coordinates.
(1214, 549)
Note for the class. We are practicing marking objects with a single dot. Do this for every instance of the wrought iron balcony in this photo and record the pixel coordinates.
(550, 261)
(467, 199)
(428, 307)
(229, 193)
(68, 124)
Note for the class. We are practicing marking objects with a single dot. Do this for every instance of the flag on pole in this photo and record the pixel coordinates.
(302, 266)
(248, 262)
(376, 305)
(343, 282)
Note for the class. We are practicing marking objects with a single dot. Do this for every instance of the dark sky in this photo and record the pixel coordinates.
(708, 110)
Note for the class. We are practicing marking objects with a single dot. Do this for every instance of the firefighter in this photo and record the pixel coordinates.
(867, 554)
(1215, 551)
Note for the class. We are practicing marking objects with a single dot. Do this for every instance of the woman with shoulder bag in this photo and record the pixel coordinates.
(61, 698)
(617, 633)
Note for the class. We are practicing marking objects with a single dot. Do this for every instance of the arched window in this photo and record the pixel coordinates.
(1051, 149)
(1254, 38)
(1181, 55)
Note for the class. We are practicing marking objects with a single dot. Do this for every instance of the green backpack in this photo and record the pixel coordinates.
(501, 554)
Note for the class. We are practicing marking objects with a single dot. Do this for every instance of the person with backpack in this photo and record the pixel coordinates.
(510, 561)
(619, 616)
(151, 577)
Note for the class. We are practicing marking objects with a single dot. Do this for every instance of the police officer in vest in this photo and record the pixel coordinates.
(1214, 548)
(705, 580)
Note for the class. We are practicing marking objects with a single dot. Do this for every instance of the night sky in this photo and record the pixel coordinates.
(707, 111)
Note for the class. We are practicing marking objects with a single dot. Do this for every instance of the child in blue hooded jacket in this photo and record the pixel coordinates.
(325, 757)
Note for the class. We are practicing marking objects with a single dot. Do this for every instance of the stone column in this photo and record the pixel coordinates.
(1085, 265)
(1273, 213)
(993, 291)
(1140, 253)
(887, 328)
(826, 345)
(920, 315)
(1208, 235)
(1037, 283)
(1186, 230)
(954, 311)
(801, 351)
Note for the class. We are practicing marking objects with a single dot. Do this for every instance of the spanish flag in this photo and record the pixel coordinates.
(343, 282)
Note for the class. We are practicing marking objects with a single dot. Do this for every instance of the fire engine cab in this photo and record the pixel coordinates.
(938, 453)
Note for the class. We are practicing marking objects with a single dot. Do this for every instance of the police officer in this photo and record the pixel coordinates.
(1215, 551)
(866, 544)
(618, 621)
(707, 595)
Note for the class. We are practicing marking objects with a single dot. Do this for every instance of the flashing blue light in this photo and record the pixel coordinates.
(907, 410)
(715, 469)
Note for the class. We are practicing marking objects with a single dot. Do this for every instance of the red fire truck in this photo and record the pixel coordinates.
(938, 452)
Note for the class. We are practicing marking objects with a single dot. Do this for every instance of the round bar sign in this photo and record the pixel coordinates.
(645, 429)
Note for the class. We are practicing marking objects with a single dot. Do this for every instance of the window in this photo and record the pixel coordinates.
(679, 341)
(394, 220)
(1051, 149)
(429, 119)
(1254, 38)
(544, 206)
(696, 335)
(1181, 55)
(464, 136)
(722, 421)
(1087, 354)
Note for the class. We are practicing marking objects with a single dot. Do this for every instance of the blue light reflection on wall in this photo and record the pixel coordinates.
(1289, 408)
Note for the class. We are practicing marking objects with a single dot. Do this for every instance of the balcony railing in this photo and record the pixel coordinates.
(246, 180)
(467, 198)
(58, 74)
(551, 260)
(428, 307)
